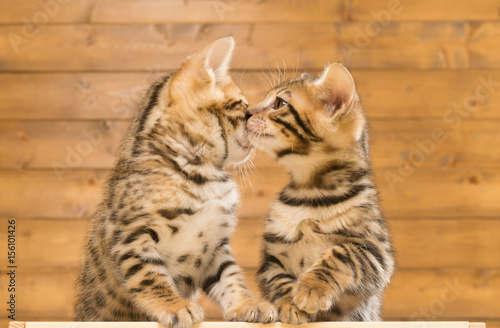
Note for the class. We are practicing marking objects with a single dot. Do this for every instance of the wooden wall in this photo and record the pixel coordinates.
(428, 72)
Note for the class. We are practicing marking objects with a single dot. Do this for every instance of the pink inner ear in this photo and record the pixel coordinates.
(337, 88)
(219, 55)
(335, 103)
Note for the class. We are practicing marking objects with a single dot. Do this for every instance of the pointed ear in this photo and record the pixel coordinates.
(217, 58)
(335, 89)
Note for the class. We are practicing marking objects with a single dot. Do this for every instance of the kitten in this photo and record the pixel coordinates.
(163, 229)
(326, 252)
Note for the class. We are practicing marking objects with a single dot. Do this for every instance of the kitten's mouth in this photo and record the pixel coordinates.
(257, 134)
(265, 135)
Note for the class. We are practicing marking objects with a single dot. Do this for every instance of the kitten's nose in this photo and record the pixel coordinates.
(247, 116)
(253, 110)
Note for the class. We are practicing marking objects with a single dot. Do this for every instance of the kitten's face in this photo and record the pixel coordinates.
(233, 113)
(307, 115)
(203, 83)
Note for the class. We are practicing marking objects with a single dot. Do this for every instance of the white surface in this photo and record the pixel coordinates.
(392, 324)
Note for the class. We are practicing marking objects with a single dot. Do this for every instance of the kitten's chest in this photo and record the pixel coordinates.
(304, 244)
(193, 239)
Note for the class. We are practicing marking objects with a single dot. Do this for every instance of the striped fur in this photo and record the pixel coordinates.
(326, 252)
(162, 232)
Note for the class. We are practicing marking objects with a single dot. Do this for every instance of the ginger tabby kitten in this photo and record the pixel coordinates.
(326, 253)
(162, 231)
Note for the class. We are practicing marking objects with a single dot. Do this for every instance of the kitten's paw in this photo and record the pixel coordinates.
(181, 315)
(290, 313)
(267, 312)
(248, 312)
(252, 311)
(312, 295)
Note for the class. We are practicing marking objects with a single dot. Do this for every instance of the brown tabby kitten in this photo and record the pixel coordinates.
(162, 231)
(326, 253)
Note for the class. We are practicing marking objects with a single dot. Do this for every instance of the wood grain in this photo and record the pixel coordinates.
(76, 193)
(197, 11)
(129, 12)
(406, 192)
(492, 324)
(418, 66)
(399, 45)
(464, 294)
(394, 94)
(224, 324)
(424, 10)
(419, 244)
(93, 144)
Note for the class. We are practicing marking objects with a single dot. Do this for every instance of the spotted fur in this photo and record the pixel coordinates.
(163, 229)
(326, 252)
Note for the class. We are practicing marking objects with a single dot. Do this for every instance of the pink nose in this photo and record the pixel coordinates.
(254, 110)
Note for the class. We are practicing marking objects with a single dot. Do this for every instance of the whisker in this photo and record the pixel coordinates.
(268, 83)
(295, 72)
(279, 71)
(284, 69)
(243, 74)
(274, 83)
(244, 87)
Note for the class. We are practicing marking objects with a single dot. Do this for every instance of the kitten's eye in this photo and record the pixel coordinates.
(234, 104)
(278, 103)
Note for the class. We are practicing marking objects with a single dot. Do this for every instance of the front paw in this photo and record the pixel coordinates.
(252, 311)
(313, 295)
(181, 315)
(289, 313)
(267, 312)
(248, 312)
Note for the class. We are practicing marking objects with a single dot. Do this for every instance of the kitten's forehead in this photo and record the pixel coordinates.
(290, 85)
(231, 90)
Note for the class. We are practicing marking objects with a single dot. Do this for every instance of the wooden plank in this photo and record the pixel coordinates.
(430, 143)
(71, 96)
(423, 243)
(437, 295)
(5, 323)
(65, 194)
(34, 144)
(396, 94)
(416, 45)
(419, 243)
(193, 11)
(424, 10)
(223, 324)
(405, 191)
(489, 324)
(492, 324)
(463, 293)
(93, 144)
(115, 11)
(73, 194)
(137, 47)
(447, 324)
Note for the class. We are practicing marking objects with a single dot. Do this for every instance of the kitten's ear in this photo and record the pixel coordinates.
(335, 88)
(217, 57)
